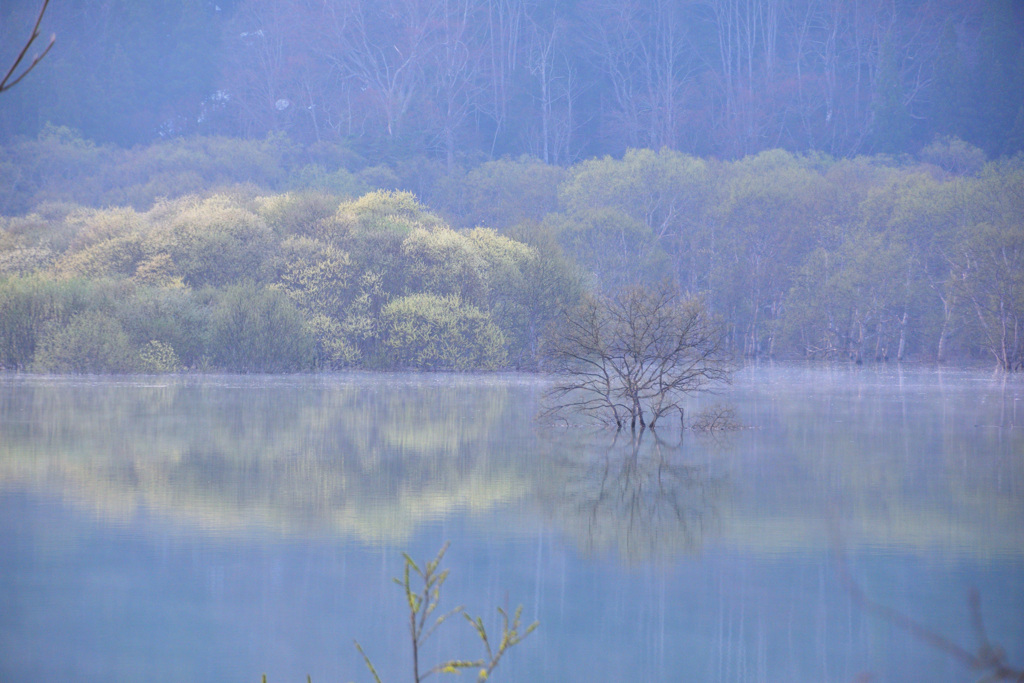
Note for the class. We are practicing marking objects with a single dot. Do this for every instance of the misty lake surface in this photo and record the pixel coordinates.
(213, 528)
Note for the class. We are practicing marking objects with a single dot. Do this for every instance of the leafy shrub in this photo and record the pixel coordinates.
(431, 332)
(92, 226)
(316, 276)
(441, 261)
(103, 243)
(176, 317)
(119, 256)
(382, 211)
(331, 347)
(213, 241)
(31, 305)
(24, 260)
(256, 329)
(156, 357)
(47, 226)
(93, 342)
(298, 213)
(158, 271)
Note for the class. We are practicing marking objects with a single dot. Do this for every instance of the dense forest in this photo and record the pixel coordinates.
(126, 262)
(288, 185)
(562, 80)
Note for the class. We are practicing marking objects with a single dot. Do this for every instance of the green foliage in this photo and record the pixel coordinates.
(338, 183)
(29, 308)
(174, 317)
(298, 213)
(213, 241)
(800, 255)
(91, 342)
(443, 262)
(383, 211)
(440, 332)
(614, 248)
(61, 166)
(256, 329)
(333, 342)
(157, 357)
(423, 595)
(118, 256)
(638, 218)
(19, 260)
(501, 193)
(316, 276)
(376, 282)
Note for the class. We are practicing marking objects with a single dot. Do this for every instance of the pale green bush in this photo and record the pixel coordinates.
(92, 342)
(157, 356)
(431, 332)
(255, 329)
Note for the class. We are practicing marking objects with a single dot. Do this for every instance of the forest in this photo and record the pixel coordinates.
(292, 185)
(562, 80)
(801, 256)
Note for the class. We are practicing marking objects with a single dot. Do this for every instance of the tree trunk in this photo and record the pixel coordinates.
(903, 337)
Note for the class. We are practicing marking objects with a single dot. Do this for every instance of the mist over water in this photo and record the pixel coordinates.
(217, 528)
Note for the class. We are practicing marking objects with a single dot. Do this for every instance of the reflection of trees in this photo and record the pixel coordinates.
(636, 496)
(902, 459)
(371, 457)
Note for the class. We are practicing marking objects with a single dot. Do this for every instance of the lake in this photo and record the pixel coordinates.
(216, 528)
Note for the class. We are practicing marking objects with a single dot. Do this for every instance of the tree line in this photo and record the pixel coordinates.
(799, 256)
(464, 80)
(275, 283)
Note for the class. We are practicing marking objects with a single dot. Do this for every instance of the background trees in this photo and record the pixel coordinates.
(275, 283)
(799, 255)
(460, 80)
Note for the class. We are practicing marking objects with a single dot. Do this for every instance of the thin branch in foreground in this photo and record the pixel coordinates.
(989, 659)
(7, 83)
(422, 601)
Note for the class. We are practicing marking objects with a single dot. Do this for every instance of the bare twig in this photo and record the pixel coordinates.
(7, 83)
(989, 659)
(717, 418)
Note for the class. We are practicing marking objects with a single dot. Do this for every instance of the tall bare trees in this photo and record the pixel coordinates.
(561, 80)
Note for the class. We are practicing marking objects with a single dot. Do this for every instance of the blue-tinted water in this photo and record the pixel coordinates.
(218, 528)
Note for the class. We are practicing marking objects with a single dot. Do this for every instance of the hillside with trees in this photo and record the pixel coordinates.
(464, 80)
(800, 256)
(278, 185)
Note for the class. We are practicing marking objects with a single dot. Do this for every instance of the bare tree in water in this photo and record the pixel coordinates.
(634, 357)
(7, 83)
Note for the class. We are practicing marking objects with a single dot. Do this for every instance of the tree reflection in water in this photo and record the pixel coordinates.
(639, 496)
(351, 455)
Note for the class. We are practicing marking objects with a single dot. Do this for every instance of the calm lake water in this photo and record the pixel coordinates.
(218, 528)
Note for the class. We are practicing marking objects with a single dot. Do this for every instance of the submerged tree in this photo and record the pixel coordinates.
(635, 356)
